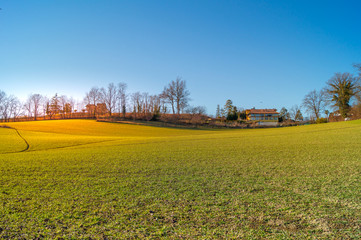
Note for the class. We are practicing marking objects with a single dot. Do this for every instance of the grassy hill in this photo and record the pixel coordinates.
(84, 179)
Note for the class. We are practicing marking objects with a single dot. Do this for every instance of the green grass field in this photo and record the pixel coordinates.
(81, 179)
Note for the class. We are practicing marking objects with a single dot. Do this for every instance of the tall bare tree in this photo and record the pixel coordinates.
(33, 105)
(2, 102)
(163, 103)
(14, 107)
(93, 97)
(315, 102)
(4, 113)
(177, 95)
(122, 98)
(109, 97)
(137, 103)
(146, 103)
(2, 96)
(63, 100)
(137, 100)
(28, 108)
(71, 102)
(168, 95)
(155, 104)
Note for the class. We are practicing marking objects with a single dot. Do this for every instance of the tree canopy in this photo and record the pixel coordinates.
(340, 89)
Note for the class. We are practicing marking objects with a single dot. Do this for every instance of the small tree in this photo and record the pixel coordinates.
(327, 113)
(284, 115)
(54, 107)
(295, 113)
(218, 112)
(315, 102)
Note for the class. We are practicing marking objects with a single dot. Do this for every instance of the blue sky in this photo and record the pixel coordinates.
(263, 54)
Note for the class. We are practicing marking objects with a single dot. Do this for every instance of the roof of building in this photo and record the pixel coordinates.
(263, 111)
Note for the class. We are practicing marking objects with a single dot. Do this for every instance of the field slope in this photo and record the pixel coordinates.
(83, 179)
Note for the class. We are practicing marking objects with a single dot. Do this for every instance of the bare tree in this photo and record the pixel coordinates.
(14, 107)
(163, 103)
(168, 95)
(2, 97)
(33, 105)
(154, 104)
(28, 107)
(92, 98)
(137, 102)
(2, 102)
(137, 99)
(198, 110)
(63, 100)
(182, 95)
(71, 103)
(295, 113)
(197, 114)
(358, 68)
(36, 101)
(145, 103)
(5, 109)
(122, 98)
(315, 102)
(177, 95)
(109, 97)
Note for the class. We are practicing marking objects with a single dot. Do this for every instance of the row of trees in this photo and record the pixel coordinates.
(230, 112)
(102, 101)
(114, 98)
(10, 106)
(35, 105)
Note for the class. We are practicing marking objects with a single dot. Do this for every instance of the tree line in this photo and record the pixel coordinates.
(338, 94)
(105, 101)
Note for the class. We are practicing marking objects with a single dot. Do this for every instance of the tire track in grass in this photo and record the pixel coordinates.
(25, 141)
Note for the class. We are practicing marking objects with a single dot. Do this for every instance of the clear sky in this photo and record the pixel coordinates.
(263, 54)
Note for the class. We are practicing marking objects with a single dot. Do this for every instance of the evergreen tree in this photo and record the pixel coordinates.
(233, 115)
(299, 116)
(284, 114)
(54, 107)
(228, 106)
(218, 112)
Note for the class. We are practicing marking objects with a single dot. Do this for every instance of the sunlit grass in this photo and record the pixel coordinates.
(86, 179)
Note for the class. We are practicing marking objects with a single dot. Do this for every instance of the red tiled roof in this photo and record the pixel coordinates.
(261, 111)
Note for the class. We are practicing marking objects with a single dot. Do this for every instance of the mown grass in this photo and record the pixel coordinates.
(82, 179)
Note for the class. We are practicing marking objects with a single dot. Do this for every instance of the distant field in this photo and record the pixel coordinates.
(83, 179)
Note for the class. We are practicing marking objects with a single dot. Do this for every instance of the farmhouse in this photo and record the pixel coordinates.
(264, 117)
